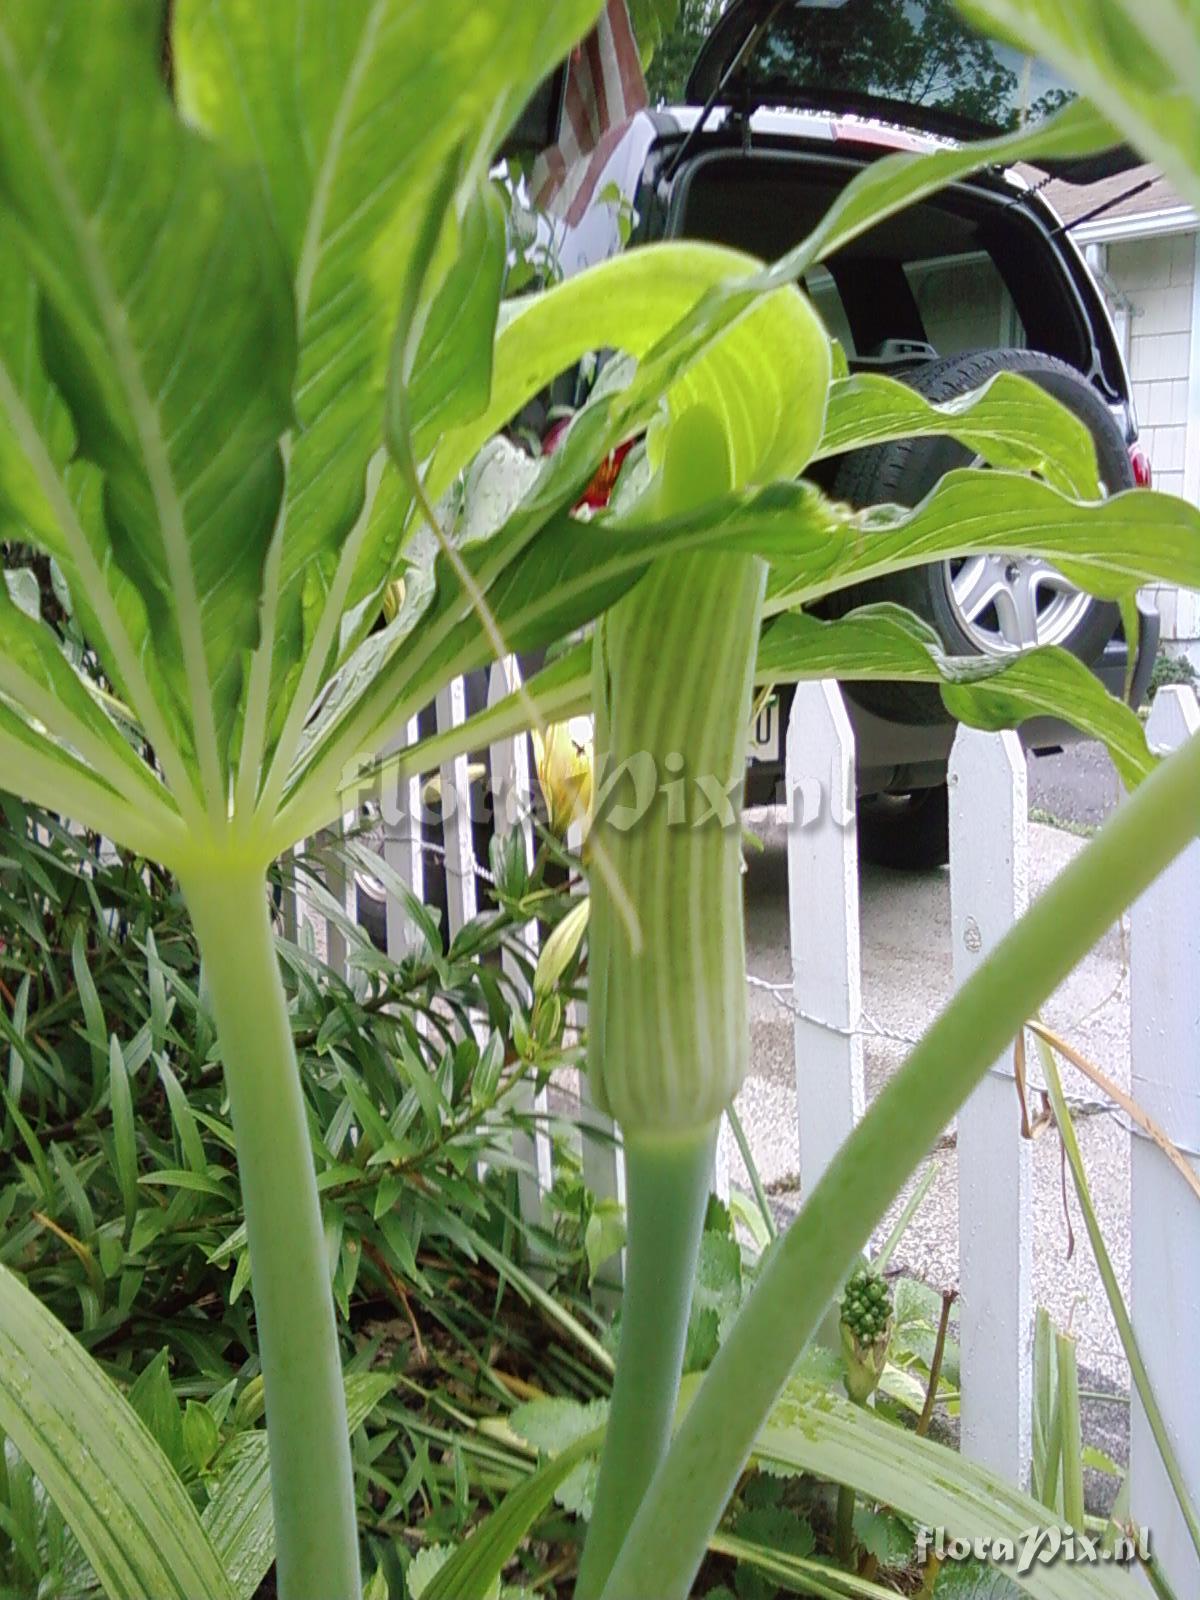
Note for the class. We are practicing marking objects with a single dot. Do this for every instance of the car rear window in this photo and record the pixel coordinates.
(915, 53)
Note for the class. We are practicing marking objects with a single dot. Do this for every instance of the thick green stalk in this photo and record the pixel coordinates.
(691, 1489)
(666, 1195)
(668, 1038)
(312, 1488)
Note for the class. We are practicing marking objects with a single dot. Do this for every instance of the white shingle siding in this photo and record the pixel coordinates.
(1154, 280)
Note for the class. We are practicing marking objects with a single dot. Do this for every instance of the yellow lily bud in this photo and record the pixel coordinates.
(393, 599)
(564, 769)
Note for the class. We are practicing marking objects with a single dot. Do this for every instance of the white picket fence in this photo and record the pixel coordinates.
(989, 887)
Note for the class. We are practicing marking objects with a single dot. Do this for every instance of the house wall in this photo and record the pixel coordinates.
(1154, 290)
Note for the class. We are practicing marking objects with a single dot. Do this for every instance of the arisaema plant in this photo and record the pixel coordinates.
(250, 336)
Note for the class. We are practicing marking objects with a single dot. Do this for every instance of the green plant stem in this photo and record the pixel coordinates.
(1072, 1431)
(748, 1161)
(667, 1183)
(844, 1533)
(312, 1485)
(693, 1485)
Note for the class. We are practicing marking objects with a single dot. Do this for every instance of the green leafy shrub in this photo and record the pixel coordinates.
(1170, 669)
(126, 1220)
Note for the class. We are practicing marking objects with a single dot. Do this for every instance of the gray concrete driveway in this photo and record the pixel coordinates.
(906, 979)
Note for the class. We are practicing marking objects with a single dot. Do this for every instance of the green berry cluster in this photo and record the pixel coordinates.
(866, 1307)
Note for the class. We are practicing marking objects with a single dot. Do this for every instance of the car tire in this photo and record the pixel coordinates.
(904, 472)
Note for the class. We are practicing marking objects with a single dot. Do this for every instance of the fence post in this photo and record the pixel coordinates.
(402, 851)
(989, 889)
(1165, 1219)
(823, 911)
(456, 813)
(511, 801)
(338, 877)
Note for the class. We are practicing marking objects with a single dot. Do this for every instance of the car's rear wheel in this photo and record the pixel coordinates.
(981, 605)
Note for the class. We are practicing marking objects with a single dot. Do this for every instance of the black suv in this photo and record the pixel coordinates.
(787, 103)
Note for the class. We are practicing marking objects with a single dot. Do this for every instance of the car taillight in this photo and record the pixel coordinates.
(597, 494)
(1143, 474)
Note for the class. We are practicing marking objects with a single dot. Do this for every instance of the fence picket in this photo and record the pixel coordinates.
(1164, 1216)
(461, 899)
(338, 879)
(403, 853)
(823, 911)
(989, 887)
(511, 801)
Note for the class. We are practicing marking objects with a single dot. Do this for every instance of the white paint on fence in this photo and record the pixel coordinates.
(989, 890)
(511, 799)
(402, 851)
(823, 908)
(338, 878)
(1165, 1218)
(461, 898)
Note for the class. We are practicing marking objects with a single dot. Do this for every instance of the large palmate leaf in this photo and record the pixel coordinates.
(766, 379)
(167, 327)
(1140, 62)
(571, 570)
(365, 121)
(117, 1491)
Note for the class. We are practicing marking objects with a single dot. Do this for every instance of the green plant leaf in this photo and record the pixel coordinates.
(152, 1397)
(1139, 62)
(352, 158)
(972, 1580)
(815, 547)
(478, 1563)
(1010, 421)
(124, 1134)
(36, 674)
(886, 642)
(100, 1466)
(135, 301)
(827, 1436)
(764, 380)
(651, 21)
(452, 370)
